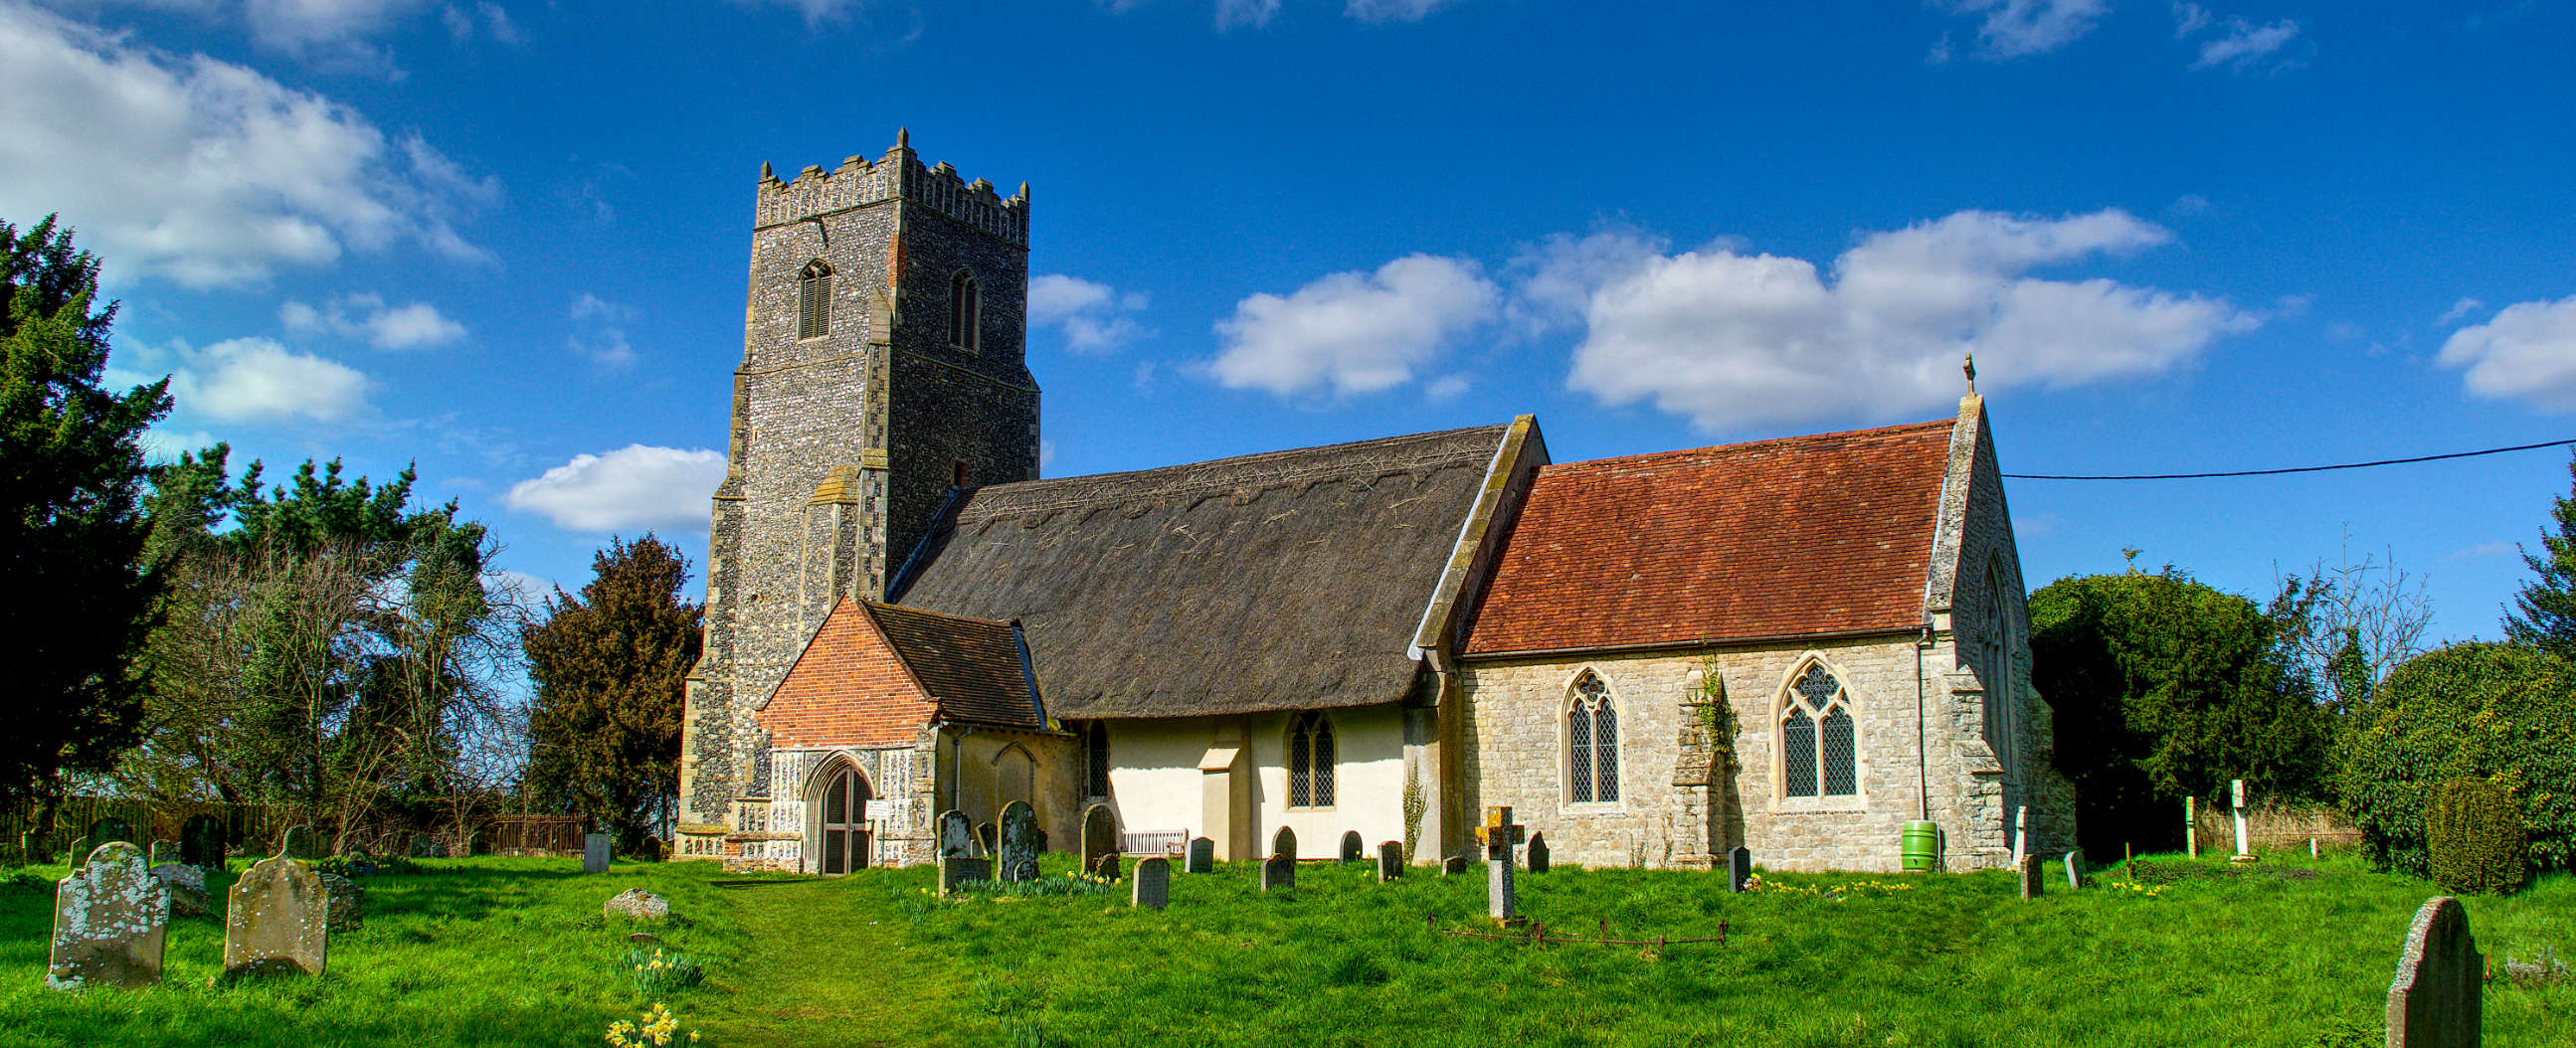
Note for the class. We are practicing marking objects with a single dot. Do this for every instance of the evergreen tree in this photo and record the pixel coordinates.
(75, 599)
(604, 735)
(2547, 605)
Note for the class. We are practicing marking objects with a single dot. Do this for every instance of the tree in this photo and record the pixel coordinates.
(604, 735)
(2349, 624)
(2165, 688)
(2546, 606)
(75, 599)
(2498, 713)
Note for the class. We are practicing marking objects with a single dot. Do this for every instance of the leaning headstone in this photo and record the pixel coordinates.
(1453, 865)
(301, 842)
(956, 870)
(1284, 842)
(1099, 834)
(1353, 850)
(956, 834)
(2074, 870)
(1152, 888)
(110, 830)
(1538, 853)
(2034, 876)
(1019, 846)
(201, 842)
(638, 904)
(594, 853)
(187, 886)
(2434, 1001)
(1202, 858)
(1390, 861)
(345, 905)
(274, 920)
(110, 917)
(1278, 871)
(1106, 867)
(1739, 868)
(990, 837)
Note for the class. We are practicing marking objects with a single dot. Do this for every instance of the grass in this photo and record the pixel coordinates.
(514, 951)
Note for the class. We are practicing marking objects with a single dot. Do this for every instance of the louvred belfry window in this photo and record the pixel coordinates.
(1819, 739)
(814, 300)
(1310, 762)
(965, 312)
(1592, 743)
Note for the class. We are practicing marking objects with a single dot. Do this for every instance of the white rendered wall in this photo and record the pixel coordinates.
(1155, 782)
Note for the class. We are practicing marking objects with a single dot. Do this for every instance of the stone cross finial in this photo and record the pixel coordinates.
(1500, 833)
(1969, 367)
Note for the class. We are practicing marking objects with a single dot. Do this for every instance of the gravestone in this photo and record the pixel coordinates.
(1538, 853)
(2034, 876)
(956, 834)
(187, 886)
(110, 918)
(164, 851)
(1390, 861)
(301, 842)
(438, 849)
(1099, 834)
(1019, 850)
(1500, 834)
(201, 842)
(594, 853)
(1152, 889)
(345, 906)
(956, 870)
(2074, 870)
(638, 904)
(990, 837)
(1106, 867)
(110, 830)
(1278, 871)
(1739, 867)
(2434, 1001)
(1352, 847)
(420, 847)
(78, 853)
(274, 920)
(1453, 865)
(1202, 858)
(1284, 842)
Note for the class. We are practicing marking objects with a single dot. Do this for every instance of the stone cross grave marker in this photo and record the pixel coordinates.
(1152, 887)
(110, 918)
(594, 853)
(1739, 867)
(1390, 861)
(1453, 865)
(274, 920)
(956, 870)
(1499, 834)
(956, 834)
(1538, 853)
(301, 842)
(1353, 849)
(990, 837)
(1202, 857)
(1278, 871)
(110, 830)
(201, 842)
(1099, 835)
(2434, 1001)
(2034, 878)
(2074, 870)
(1019, 845)
(1284, 842)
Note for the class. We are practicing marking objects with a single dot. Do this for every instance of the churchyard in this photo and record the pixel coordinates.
(2167, 950)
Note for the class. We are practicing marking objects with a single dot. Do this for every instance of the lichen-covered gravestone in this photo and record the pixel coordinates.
(346, 909)
(274, 920)
(1099, 835)
(1278, 871)
(1152, 889)
(110, 830)
(187, 886)
(638, 904)
(1538, 853)
(1353, 850)
(2034, 876)
(1284, 842)
(956, 834)
(594, 853)
(1202, 857)
(1390, 861)
(1019, 845)
(1739, 868)
(110, 917)
(956, 870)
(2434, 1001)
(301, 842)
(201, 842)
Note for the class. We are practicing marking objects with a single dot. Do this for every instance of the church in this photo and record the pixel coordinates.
(1796, 645)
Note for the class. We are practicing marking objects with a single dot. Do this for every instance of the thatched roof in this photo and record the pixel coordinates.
(1287, 580)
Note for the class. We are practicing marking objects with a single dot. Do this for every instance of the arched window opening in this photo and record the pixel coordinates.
(814, 300)
(1592, 743)
(1015, 777)
(965, 312)
(1994, 669)
(845, 822)
(1095, 762)
(1819, 739)
(1310, 761)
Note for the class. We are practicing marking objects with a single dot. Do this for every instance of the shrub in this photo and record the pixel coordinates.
(2474, 840)
(2502, 713)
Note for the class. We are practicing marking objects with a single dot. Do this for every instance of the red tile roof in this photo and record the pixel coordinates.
(875, 675)
(1822, 534)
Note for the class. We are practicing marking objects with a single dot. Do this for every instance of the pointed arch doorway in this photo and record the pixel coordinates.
(842, 837)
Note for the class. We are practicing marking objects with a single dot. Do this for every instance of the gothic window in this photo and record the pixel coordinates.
(1310, 761)
(1592, 743)
(1096, 759)
(1994, 663)
(814, 300)
(1819, 739)
(965, 312)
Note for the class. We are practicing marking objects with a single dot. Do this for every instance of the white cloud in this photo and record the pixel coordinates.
(415, 325)
(2189, 19)
(599, 331)
(2015, 28)
(1392, 10)
(1729, 339)
(203, 171)
(2240, 44)
(496, 22)
(2526, 352)
(1353, 332)
(2458, 309)
(257, 380)
(302, 24)
(1256, 13)
(162, 444)
(1094, 317)
(636, 486)
(1555, 278)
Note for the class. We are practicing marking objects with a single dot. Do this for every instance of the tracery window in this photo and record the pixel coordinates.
(965, 312)
(1310, 761)
(1994, 669)
(1819, 740)
(1592, 743)
(814, 300)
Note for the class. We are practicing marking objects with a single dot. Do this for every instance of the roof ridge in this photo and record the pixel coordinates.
(1408, 451)
(925, 612)
(1943, 424)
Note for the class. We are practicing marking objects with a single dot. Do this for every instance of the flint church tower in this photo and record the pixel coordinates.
(882, 371)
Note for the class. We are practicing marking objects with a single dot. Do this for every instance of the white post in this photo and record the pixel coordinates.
(2191, 825)
(2021, 835)
(2243, 854)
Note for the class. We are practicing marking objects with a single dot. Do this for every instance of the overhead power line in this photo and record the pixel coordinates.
(2291, 469)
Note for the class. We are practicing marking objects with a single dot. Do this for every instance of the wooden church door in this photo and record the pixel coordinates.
(845, 823)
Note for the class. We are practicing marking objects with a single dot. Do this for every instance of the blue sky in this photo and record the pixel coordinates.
(508, 240)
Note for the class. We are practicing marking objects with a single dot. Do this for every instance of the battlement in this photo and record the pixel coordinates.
(900, 173)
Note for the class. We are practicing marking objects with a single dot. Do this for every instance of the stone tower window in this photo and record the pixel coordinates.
(1592, 743)
(1819, 740)
(965, 312)
(1310, 761)
(814, 300)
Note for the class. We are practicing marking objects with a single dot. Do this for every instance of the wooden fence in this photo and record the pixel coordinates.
(537, 835)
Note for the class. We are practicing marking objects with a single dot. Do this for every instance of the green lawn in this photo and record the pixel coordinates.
(514, 951)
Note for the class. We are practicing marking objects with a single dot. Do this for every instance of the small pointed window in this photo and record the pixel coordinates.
(1096, 759)
(1592, 743)
(965, 312)
(1819, 740)
(1310, 761)
(814, 300)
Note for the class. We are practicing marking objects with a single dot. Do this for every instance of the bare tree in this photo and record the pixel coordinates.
(2347, 624)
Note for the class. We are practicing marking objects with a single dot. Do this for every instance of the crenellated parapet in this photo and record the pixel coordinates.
(899, 173)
